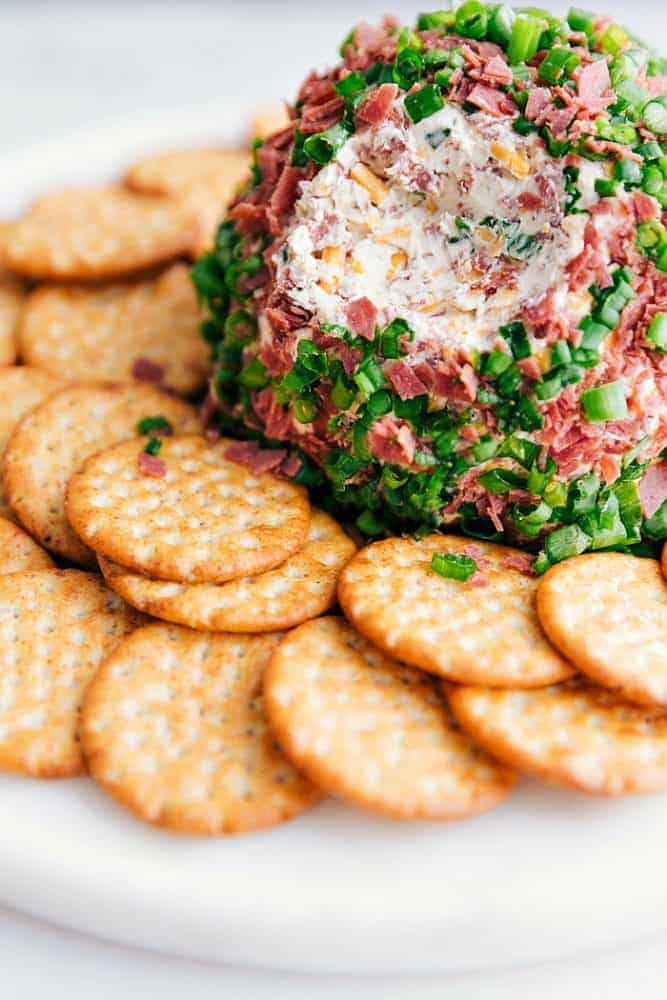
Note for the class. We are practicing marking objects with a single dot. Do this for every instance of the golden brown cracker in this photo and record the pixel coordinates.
(18, 551)
(303, 587)
(56, 626)
(12, 297)
(173, 727)
(205, 520)
(574, 734)
(483, 634)
(51, 444)
(607, 612)
(366, 728)
(109, 332)
(99, 232)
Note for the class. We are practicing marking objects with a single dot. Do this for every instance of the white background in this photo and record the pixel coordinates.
(64, 67)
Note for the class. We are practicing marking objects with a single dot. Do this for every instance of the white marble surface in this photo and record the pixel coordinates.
(64, 67)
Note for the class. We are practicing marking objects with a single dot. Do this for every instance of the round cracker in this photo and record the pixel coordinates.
(53, 441)
(103, 332)
(302, 588)
(368, 729)
(573, 734)
(56, 626)
(18, 551)
(607, 612)
(476, 635)
(206, 520)
(21, 389)
(12, 297)
(100, 232)
(173, 727)
(205, 179)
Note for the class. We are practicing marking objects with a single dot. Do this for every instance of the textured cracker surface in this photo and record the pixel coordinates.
(574, 734)
(52, 443)
(173, 727)
(56, 626)
(302, 588)
(21, 389)
(370, 730)
(486, 635)
(12, 297)
(205, 179)
(99, 332)
(100, 232)
(207, 520)
(18, 551)
(607, 613)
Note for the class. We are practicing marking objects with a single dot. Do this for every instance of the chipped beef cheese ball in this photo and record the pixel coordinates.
(444, 295)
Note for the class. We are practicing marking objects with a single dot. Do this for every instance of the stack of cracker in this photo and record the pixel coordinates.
(166, 614)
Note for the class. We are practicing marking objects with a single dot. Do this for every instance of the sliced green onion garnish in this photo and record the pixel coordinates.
(424, 102)
(407, 68)
(657, 332)
(549, 387)
(594, 333)
(561, 353)
(566, 542)
(655, 117)
(531, 522)
(581, 20)
(500, 481)
(324, 146)
(471, 19)
(525, 38)
(509, 380)
(153, 446)
(558, 65)
(452, 566)
(656, 527)
(484, 449)
(494, 363)
(154, 425)
(501, 19)
(304, 409)
(379, 404)
(435, 19)
(369, 524)
(254, 375)
(614, 39)
(390, 336)
(368, 378)
(516, 336)
(350, 85)
(605, 402)
(628, 171)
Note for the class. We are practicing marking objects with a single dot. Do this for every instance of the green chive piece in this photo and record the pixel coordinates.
(154, 425)
(390, 336)
(153, 446)
(424, 103)
(565, 543)
(656, 527)
(254, 375)
(516, 336)
(369, 524)
(614, 39)
(407, 68)
(629, 172)
(350, 85)
(452, 566)
(471, 19)
(605, 402)
(525, 38)
(324, 146)
(581, 20)
(558, 65)
(657, 332)
(655, 117)
(494, 363)
(531, 522)
(594, 333)
(501, 19)
(304, 409)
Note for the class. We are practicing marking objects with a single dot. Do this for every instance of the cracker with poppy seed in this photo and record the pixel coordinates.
(53, 441)
(485, 634)
(373, 731)
(21, 389)
(204, 519)
(114, 331)
(574, 734)
(204, 179)
(12, 298)
(607, 612)
(56, 627)
(83, 234)
(174, 728)
(18, 551)
(303, 587)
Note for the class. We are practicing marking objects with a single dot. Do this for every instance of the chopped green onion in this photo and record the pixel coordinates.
(528, 416)
(594, 333)
(254, 375)
(509, 380)
(520, 449)
(539, 479)
(452, 566)
(558, 65)
(605, 402)
(390, 336)
(628, 171)
(629, 506)
(471, 19)
(443, 444)
(655, 117)
(350, 85)
(436, 59)
(549, 387)
(656, 527)
(379, 404)
(484, 449)
(561, 353)
(153, 446)
(494, 363)
(500, 481)
(368, 377)
(369, 524)
(516, 336)
(581, 20)
(154, 425)
(240, 325)
(501, 19)
(436, 19)
(323, 147)
(424, 102)
(525, 39)
(614, 39)
(566, 542)
(657, 332)
(304, 409)
(342, 393)
(407, 68)
(531, 523)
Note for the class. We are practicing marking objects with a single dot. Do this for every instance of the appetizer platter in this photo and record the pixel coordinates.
(334, 491)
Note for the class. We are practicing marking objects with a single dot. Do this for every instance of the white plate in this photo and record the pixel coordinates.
(548, 874)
